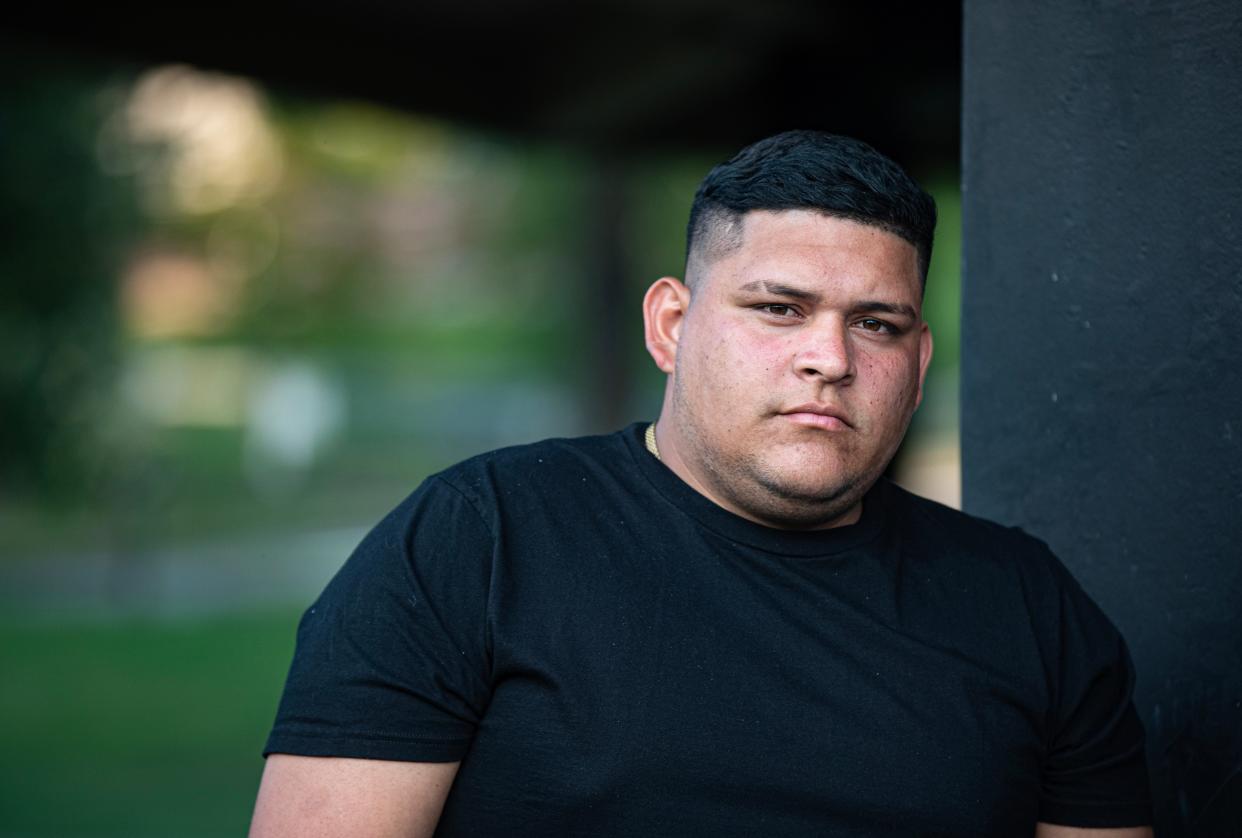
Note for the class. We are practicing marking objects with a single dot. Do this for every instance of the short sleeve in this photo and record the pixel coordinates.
(1095, 770)
(392, 659)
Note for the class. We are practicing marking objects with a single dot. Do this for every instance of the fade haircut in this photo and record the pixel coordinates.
(808, 170)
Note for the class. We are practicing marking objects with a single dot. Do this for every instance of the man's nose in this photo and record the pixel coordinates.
(826, 354)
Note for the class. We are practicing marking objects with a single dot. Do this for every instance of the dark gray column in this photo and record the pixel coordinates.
(1102, 342)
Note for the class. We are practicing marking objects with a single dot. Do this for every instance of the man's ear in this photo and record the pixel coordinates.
(664, 309)
(925, 356)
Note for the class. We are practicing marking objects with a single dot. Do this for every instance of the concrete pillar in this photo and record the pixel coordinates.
(1102, 342)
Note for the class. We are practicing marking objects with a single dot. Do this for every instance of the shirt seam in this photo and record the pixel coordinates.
(1060, 803)
(369, 737)
(488, 615)
(478, 511)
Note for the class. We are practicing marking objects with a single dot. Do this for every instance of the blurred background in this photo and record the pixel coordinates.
(251, 296)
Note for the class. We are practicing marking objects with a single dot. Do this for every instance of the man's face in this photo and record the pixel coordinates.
(798, 365)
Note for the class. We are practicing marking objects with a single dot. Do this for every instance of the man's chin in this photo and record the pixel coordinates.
(810, 492)
(790, 486)
(806, 476)
(809, 501)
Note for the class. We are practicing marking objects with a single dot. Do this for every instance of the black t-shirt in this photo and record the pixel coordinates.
(610, 653)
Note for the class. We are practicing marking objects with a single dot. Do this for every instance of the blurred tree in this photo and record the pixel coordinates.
(63, 227)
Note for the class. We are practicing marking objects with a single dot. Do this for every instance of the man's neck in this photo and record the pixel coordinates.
(663, 446)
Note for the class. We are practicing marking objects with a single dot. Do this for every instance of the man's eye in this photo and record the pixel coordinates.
(873, 325)
(778, 309)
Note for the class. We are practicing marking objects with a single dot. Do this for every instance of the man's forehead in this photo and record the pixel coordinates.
(793, 247)
(811, 225)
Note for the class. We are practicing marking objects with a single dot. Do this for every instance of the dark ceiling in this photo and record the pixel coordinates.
(611, 76)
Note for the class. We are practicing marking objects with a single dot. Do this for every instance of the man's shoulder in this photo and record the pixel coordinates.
(558, 449)
(555, 465)
(939, 529)
(916, 510)
(1004, 569)
(527, 458)
(471, 501)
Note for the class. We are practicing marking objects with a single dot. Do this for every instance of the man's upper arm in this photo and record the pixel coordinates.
(320, 797)
(1094, 774)
(392, 660)
(1052, 830)
(389, 680)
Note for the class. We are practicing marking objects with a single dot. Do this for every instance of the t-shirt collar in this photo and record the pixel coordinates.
(708, 514)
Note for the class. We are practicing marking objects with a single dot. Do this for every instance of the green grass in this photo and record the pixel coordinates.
(137, 729)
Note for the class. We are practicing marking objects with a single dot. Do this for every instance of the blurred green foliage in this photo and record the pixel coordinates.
(937, 419)
(64, 227)
(942, 302)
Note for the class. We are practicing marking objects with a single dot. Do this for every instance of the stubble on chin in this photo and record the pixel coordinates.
(772, 495)
(792, 503)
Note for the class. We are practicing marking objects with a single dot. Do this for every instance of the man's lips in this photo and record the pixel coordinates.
(817, 416)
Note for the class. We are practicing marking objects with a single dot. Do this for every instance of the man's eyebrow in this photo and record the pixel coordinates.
(887, 308)
(781, 290)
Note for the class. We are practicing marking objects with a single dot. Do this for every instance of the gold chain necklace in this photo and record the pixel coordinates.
(649, 437)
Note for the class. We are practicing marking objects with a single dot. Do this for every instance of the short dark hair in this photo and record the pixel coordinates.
(811, 170)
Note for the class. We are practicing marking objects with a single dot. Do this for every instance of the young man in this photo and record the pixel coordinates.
(728, 622)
